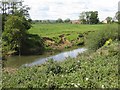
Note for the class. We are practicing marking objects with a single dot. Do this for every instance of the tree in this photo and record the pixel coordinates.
(82, 18)
(94, 17)
(89, 17)
(15, 37)
(15, 31)
(13, 7)
(59, 20)
(67, 20)
(109, 19)
(117, 16)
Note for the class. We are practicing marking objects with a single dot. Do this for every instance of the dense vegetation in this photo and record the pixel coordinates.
(75, 34)
(89, 17)
(15, 25)
(97, 39)
(97, 69)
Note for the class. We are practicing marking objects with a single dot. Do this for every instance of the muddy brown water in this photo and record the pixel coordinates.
(19, 61)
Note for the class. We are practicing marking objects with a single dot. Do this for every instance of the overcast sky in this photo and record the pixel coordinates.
(54, 9)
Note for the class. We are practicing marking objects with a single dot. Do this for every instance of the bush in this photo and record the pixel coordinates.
(53, 67)
(97, 39)
(81, 42)
(32, 44)
(80, 35)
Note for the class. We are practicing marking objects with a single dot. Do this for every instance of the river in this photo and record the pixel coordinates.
(18, 61)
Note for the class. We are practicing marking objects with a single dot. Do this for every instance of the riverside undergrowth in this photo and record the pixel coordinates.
(88, 70)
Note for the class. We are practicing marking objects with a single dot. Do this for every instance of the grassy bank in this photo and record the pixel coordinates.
(88, 70)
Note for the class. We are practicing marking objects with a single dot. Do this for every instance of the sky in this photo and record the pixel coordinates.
(54, 9)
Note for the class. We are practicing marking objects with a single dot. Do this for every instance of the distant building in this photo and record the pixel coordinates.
(75, 22)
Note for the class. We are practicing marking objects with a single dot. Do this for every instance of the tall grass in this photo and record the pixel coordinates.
(97, 39)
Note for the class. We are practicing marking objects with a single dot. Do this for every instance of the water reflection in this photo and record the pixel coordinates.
(58, 57)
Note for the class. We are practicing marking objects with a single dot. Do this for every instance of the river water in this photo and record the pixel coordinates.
(18, 61)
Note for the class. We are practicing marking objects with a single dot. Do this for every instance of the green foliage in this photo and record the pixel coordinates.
(109, 19)
(59, 20)
(82, 18)
(67, 20)
(80, 35)
(97, 39)
(89, 17)
(117, 16)
(53, 67)
(88, 70)
(81, 42)
(32, 45)
(94, 18)
(13, 33)
(13, 7)
(108, 42)
(16, 38)
(71, 31)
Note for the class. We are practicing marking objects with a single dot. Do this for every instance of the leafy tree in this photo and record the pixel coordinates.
(109, 19)
(16, 22)
(15, 31)
(82, 18)
(117, 16)
(16, 39)
(94, 17)
(13, 7)
(89, 17)
(67, 20)
(59, 20)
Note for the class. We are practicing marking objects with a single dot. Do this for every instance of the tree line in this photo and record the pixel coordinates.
(86, 17)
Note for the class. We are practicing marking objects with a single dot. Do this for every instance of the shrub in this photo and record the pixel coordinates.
(53, 67)
(32, 44)
(97, 39)
(108, 42)
(81, 42)
(80, 35)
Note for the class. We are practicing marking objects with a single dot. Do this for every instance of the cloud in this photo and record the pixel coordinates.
(54, 9)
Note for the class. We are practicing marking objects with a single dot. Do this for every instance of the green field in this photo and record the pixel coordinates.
(54, 30)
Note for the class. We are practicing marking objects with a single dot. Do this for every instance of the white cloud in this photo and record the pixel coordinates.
(53, 9)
